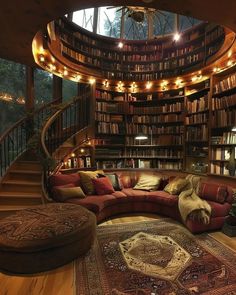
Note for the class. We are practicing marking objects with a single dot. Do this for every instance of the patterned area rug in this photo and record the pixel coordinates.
(157, 257)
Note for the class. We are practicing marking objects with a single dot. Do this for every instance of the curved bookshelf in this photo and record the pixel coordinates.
(139, 60)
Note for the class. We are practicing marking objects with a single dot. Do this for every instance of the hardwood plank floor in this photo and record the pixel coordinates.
(61, 281)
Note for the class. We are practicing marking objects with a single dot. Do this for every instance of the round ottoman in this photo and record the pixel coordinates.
(44, 237)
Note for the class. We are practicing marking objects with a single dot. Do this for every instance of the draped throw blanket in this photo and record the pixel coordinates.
(191, 205)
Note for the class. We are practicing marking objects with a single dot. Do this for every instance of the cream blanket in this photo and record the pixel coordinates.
(191, 205)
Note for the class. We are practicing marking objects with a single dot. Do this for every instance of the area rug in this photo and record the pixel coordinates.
(158, 257)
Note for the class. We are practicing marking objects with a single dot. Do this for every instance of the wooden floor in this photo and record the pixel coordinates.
(61, 281)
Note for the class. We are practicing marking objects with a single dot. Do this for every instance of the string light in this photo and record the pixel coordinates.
(41, 58)
(120, 86)
(106, 83)
(178, 82)
(133, 87)
(78, 77)
(92, 81)
(176, 36)
(148, 85)
(229, 63)
(65, 72)
(120, 44)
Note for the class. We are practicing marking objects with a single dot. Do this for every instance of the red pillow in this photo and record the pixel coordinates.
(63, 179)
(213, 192)
(102, 186)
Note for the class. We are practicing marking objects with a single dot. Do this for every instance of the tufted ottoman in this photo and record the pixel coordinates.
(44, 237)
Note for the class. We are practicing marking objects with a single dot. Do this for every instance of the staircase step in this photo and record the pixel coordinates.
(10, 194)
(21, 186)
(22, 174)
(31, 165)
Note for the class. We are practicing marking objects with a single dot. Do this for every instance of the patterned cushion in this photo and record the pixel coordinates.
(148, 182)
(86, 180)
(176, 186)
(213, 192)
(114, 180)
(42, 227)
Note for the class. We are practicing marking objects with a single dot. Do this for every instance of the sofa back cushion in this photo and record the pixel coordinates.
(63, 179)
(63, 193)
(103, 186)
(148, 182)
(114, 178)
(213, 192)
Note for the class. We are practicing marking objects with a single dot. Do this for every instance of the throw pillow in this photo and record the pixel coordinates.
(103, 186)
(63, 193)
(148, 182)
(57, 192)
(114, 180)
(213, 192)
(176, 186)
(86, 180)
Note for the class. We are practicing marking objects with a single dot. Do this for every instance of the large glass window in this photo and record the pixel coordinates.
(69, 89)
(132, 23)
(12, 93)
(84, 18)
(109, 21)
(43, 87)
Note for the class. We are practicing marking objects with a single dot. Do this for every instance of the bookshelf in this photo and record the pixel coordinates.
(139, 60)
(196, 127)
(223, 138)
(81, 157)
(157, 115)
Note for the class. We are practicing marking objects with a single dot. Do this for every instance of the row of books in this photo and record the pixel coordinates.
(198, 105)
(219, 168)
(169, 165)
(144, 129)
(223, 118)
(118, 107)
(173, 107)
(221, 153)
(157, 119)
(108, 117)
(107, 66)
(226, 138)
(159, 153)
(110, 128)
(108, 152)
(197, 118)
(225, 84)
(197, 133)
(141, 57)
(223, 102)
(80, 162)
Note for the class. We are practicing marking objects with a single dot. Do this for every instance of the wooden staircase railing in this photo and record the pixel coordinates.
(72, 119)
(14, 141)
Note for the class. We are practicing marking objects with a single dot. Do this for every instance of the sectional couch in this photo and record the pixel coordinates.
(129, 200)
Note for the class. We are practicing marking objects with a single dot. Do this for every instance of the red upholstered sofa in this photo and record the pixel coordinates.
(127, 200)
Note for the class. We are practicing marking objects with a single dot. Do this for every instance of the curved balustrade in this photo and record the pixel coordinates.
(65, 123)
(14, 141)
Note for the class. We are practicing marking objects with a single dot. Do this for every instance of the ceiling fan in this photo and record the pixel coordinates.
(135, 12)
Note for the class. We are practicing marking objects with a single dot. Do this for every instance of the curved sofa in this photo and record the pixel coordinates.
(128, 200)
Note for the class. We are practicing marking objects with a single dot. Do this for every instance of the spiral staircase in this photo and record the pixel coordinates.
(26, 158)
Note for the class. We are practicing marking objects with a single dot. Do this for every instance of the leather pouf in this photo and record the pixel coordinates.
(44, 237)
